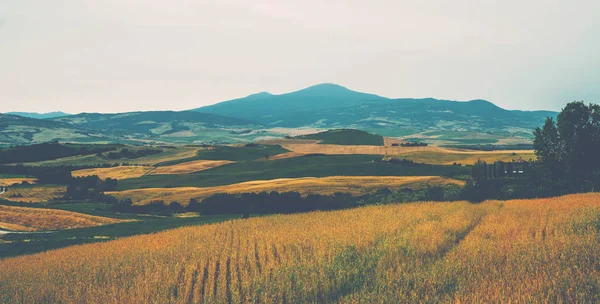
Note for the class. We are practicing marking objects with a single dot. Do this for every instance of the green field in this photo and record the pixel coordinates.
(346, 137)
(243, 153)
(305, 166)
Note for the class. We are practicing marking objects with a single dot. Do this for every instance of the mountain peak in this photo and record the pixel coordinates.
(326, 87)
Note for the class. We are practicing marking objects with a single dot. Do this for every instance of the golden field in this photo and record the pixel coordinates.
(120, 172)
(34, 219)
(356, 185)
(428, 154)
(9, 181)
(518, 251)
(124, 172)
(465, 157)
(190, 167)
(34, 194)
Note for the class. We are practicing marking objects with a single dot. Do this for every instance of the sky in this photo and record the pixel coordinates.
(127, 55)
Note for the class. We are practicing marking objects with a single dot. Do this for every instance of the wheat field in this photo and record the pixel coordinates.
(9, 181)
(519, 251)
(468, 157)
(120, 172)
(34, 194)
(35, 219)
(356, 185)
(190, 167)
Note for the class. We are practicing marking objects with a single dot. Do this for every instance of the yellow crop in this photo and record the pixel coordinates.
(519, 251)
(32, 219)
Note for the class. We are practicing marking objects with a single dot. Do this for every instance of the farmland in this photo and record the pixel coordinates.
(304, 166)
(34, 193)
(497, 251)
(34, 219)
(120, 172)
(356, 185)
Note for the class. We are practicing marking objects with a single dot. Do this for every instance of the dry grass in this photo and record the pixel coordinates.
(312, 148)
(465, 157)
(356, 185)
(16, 180)
(190, 167)
(427, 154)
(34, 194)
(35, 219)
(120, 172)
(283, 156)
(521, 251)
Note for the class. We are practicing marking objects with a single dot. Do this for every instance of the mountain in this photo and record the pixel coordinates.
(39, 115)
(268, 108)
(334, 106)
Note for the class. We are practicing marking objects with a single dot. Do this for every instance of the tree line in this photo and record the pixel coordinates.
(287, 202)
(568, 160)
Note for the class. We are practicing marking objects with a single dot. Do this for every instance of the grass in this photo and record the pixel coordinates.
(231, 153)
(356, 185)
(449, 157)
(541, 250)
(35, 193)
(168, 154)
(305, 166)
(34, 219)
(345, 137)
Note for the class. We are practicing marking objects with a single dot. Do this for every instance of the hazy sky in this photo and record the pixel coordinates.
(125, 55)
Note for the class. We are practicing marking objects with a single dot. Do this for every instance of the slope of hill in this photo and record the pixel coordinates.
(333, 106)
(153, 122)
(40, 115)
(18, 130)
(516, 251)
(345, 137)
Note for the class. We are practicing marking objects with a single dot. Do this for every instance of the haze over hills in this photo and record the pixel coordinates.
(265, 115)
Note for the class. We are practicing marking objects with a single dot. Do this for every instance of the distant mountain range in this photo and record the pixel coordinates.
(39, 115)
(265, 115)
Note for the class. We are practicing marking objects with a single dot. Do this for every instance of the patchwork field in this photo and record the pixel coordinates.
(35, 219)
(167, 155)
(542, 250)
(34, 194)
(190, 167)
(303, 166)
(356, 185)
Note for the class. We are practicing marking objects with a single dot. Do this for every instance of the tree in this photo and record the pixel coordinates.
(569, 148)
(549, 148)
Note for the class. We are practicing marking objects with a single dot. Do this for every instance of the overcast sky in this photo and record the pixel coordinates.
(125, 55)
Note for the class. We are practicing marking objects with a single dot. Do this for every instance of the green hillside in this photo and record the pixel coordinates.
(346, 137)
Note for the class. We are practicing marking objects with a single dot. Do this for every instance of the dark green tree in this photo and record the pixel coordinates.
(570, 147)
